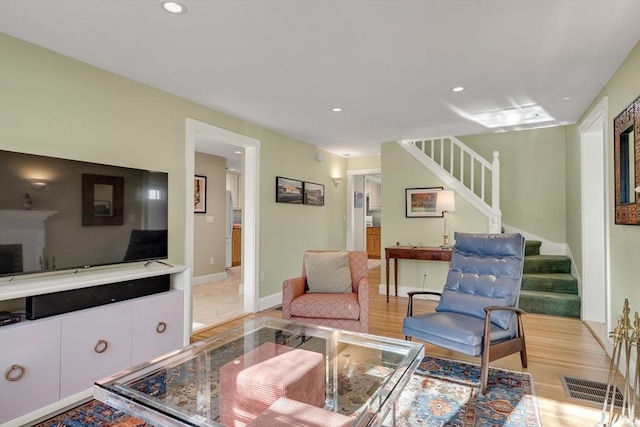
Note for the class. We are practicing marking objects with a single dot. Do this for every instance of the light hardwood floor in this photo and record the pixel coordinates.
(555, 345)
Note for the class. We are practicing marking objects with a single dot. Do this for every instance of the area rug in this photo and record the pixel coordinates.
(440, 393)
(447, 393)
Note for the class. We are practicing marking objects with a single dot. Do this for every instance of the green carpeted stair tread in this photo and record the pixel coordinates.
(532, 247)
(550, 282)
(567, 305)
(547, 264)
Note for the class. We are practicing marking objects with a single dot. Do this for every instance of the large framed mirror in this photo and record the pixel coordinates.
(626, 152)
(102, 200)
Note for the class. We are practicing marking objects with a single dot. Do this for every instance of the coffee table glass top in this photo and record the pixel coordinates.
(234, 378)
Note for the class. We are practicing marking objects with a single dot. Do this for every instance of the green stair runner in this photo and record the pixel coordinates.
(547, 284)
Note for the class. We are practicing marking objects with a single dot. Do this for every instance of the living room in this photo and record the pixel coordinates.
(57, 106)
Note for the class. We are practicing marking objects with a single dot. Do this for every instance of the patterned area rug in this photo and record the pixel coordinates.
(440, 393)
(447, 393)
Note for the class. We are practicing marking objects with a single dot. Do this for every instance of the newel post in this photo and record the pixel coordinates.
(495, 182)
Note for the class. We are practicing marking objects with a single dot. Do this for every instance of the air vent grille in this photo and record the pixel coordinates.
(589, 391)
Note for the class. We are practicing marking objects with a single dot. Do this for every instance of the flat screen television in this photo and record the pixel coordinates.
(59, 214)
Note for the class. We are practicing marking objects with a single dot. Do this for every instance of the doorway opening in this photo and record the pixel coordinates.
(199, 131)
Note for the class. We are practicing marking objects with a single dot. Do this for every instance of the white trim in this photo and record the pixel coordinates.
(547, 248)
(271, 301)
(404, 290)
(593, 136)
(250, 212)
(209, 278)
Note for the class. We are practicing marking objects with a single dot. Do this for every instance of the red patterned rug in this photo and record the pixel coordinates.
(440, 393)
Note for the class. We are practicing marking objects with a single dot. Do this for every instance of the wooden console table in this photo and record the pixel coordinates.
(409, 252)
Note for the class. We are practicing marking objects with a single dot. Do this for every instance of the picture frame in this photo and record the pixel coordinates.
(421, 202)
(102, 200)
(626, 170)
(313, 194)
(358, 199)
(289, 190)
(200, 194)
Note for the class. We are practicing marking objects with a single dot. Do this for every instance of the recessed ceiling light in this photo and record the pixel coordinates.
(458, 89)
(237, 152)
(174, 7)
(336, 109)
(566, 98)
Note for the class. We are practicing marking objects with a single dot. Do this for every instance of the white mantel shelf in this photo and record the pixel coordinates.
(44, 283)
(23, 218)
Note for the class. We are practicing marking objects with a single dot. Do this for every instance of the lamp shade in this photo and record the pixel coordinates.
(445, 201)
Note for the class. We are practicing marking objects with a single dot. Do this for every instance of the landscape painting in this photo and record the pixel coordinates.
(313, 194)
(288, 190)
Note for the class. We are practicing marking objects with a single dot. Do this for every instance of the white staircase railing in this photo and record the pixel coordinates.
(462, 169)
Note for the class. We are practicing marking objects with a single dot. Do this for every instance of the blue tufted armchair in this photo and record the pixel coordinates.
(478, 312)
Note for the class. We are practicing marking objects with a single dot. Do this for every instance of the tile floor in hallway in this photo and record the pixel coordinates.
(218, 302)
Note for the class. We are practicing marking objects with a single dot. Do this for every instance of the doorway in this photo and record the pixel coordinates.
(250, 235)
(364, 215)
(594, 193)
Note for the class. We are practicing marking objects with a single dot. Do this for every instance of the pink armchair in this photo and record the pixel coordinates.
(337, 310)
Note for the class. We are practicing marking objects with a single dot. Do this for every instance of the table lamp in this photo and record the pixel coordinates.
(445, 202)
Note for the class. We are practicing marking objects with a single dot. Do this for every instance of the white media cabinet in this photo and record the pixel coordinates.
(51, 363)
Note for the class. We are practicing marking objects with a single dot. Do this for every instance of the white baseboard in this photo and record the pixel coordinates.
(208, 278)
(402, 291)
(547, 248)
(270, 301)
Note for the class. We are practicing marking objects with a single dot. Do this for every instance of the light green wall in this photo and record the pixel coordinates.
(53, 105)
(370, 162)
(624, 240)
(532, 170)
(399, 172)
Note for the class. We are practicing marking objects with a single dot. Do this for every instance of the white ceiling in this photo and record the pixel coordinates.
(390, 64)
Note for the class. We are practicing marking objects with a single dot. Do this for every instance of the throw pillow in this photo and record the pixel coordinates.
(328, 272)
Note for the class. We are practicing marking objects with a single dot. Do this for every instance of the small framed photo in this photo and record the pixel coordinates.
(200, 194)
(357, 199)
(421, 202)
(289, 190)
(313, 194)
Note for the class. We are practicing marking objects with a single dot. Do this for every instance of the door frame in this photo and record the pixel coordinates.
(592, 134)
(251, 205)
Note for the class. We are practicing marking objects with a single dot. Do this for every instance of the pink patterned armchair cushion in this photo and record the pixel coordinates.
(348, 310)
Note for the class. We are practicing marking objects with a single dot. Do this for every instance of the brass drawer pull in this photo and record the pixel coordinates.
(101, 346)
(161, 327)
(15, 373)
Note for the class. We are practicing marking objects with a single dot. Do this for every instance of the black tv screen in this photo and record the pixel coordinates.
(58, 214)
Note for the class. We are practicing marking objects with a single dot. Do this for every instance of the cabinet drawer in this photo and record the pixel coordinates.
(34, 345)
(95, 343)
(157, 325)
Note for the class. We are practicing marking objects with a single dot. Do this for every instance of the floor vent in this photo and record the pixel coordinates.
(589, 391)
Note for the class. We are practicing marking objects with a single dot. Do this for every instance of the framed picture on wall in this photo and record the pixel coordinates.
(421, 202)
(313, 194)
(200, 194)
(288, 190)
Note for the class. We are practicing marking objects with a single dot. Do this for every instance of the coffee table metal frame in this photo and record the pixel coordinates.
(394, 362)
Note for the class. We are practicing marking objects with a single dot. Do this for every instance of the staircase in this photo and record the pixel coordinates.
(547, 284)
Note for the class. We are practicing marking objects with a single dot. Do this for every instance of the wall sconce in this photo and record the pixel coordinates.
(336, 181)
(638, 189)
(445, 202)
(38, 184)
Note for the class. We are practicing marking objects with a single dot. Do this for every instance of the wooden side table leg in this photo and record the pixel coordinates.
(387, 277)
(395, 273)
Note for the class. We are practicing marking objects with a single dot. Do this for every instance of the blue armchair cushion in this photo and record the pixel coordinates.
(484, 272)
(455, 331)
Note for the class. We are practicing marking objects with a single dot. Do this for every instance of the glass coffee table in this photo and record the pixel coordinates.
(269, 372)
